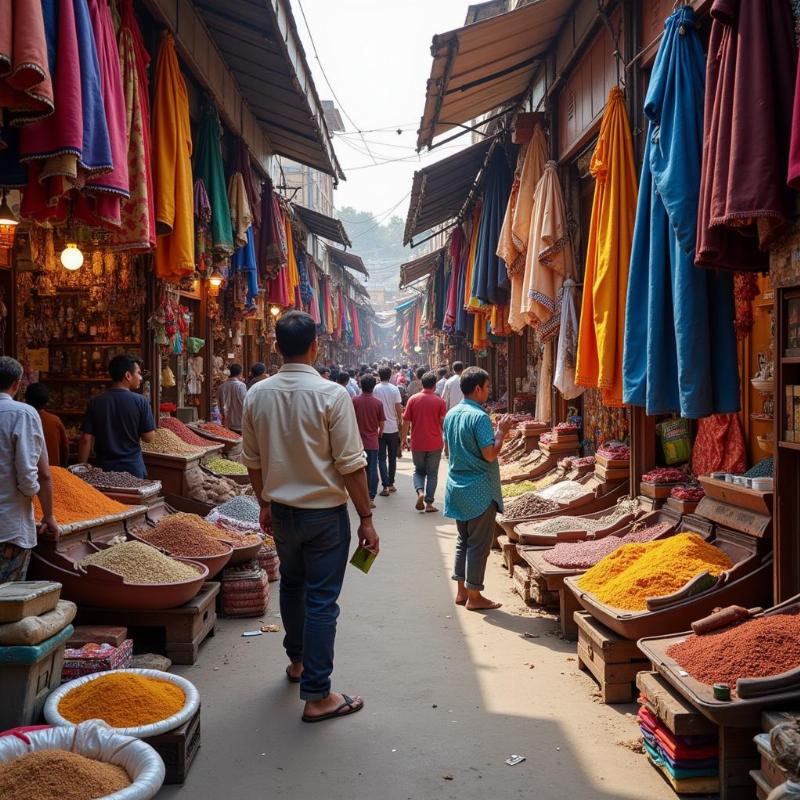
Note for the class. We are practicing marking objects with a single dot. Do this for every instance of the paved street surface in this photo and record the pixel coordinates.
(449, 695)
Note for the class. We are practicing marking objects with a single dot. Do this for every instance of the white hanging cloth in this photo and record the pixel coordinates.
(564, 378)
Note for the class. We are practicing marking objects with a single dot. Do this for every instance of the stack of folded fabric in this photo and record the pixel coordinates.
(245, 590)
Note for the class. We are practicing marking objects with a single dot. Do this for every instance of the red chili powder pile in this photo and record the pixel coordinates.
(754, 649)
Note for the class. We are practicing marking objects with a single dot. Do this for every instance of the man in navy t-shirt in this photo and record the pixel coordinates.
(116, 420)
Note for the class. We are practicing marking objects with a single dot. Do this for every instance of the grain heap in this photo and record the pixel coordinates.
(632, 573)
(167, 443)
(140, 563)
(110, 479)
(184, 432)
(564, 492)
(74, 500)
(220, 430)
(123, 700)
(558, 525)
(224, 466)
(526, 506)
(516, 489)
(757, 648)
(582, 555)
(183, 535)
(59, 775)
(235, 538)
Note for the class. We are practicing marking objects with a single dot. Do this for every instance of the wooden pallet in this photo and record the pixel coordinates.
(613, 661)
(185, 628)
(178, 748)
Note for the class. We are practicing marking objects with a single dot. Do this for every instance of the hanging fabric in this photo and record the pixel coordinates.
(680, 346)
(272, 250)
(455, 255)
(567, 348)
(744, 202)
(544, 391)
(208, 167)
(608, 251)
(172, 171)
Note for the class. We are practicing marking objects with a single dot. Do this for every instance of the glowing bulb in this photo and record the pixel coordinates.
(71, 257)
(274, 310)
(417, 349)
(7, 216)
(216, 278)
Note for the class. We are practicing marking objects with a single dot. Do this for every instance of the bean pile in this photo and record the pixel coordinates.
(757, 648)
(184, 432)
(582, 555)
(75, 500)
(183, 537)
(562, 524)
(113, 480)
(224, 466)
(244, 509)
(168, 444)
(528, 505)
(220, 430)
(764, 469)
(60, 775)
(140, 563)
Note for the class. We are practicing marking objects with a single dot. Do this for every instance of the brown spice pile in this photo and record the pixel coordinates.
(59, 775)
(183, 535)
(528, 505)
(167, 443)
(184, 432)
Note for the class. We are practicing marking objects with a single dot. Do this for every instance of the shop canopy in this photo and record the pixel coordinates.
(419, 268)
(260, 42)
(488, 64)
(322, 225)
(344, 259)
(440, 191)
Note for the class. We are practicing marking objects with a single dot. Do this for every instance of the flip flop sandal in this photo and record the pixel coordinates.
(348, 704)
(290, 677)
(420, 504)
(431, 510)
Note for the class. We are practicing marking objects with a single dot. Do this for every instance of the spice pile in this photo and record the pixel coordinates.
(764, 469)
(242, 509)
(521, 466)
(582, 555)
(224, 466)
(113, 480)
(220, 430)
(123, 700)
(614, 451)
(688, 492)
(563, 524)
(516, 489)
(632, 573)
(528, 505)
(757, 648)
(564, 492)
(167, 443)
(183, 535)
(59, 775)
(663, 475)
(140, 563)
(74, 500)
(184, 432)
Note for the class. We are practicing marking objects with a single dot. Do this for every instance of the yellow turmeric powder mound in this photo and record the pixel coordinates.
(632, 573)
(123, 700)
(74, 500)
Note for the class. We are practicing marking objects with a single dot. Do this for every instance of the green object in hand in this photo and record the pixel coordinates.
(362, 559)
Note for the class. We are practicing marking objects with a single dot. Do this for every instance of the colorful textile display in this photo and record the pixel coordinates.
(680, 345)
(208, 168)
(719, 445)
(605, 284)
(567, 348)
(172, 150)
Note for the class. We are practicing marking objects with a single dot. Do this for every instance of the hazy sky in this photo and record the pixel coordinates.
(376, 55)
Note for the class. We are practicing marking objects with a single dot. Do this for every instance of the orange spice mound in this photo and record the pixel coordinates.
(632, 573)
(123, 700)
(74, 500)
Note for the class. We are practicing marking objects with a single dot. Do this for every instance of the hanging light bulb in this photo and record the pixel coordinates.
(71, 257)
(216, 279)
(274, 310)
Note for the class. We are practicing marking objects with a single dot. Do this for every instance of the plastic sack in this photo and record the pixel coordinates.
(141, 731)
(786, 791)
(94, 739)
(35, 630)
(676, 442)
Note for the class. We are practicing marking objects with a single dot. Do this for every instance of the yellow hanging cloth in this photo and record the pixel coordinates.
(608, 252)
(470, 302)
(293, 273)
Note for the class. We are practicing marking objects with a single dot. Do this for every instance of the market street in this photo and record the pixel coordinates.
(449, 694)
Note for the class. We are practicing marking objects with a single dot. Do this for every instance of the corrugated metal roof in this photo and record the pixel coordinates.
(322, 225)
(439, 191)
(487, 64)
(259, 41)
(419, 268)
(345, 259)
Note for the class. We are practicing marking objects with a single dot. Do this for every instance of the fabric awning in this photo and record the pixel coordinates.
(439, 191)
(322, 225)
(413, 271)
(350, 260)
(485, 65)
(260, 42)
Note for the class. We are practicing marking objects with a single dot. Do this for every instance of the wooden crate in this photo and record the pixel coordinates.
(540, 594)
(613, 661)
(521, 581)
(510, 555)
(178, 748)
(680, 717)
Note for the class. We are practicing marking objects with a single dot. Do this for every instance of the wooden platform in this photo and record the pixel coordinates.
(521, 581)
(510, 555)
(613, 661)
(547, 582)
(178, 748)
(184, 628)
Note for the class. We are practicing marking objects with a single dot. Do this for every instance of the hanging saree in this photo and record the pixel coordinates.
(208, 167)
(567, 347)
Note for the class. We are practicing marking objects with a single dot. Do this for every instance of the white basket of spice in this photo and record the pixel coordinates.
(90, 760)
(134, 702)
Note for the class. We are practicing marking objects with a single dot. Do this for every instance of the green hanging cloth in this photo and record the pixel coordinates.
(208, 168)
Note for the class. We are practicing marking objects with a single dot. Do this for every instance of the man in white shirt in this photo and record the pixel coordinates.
(304, 454)
(355, 389)
(451, 394)
(389, 444)
(24, 473)
(230, 397)
(442, 379)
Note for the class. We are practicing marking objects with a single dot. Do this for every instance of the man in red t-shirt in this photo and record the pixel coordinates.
(425, 414)
(370, 417)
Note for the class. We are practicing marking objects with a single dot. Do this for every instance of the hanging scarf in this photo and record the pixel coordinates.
(208, 167)
(567, 349)
(202, 228)
(241, 216)
(272, 251)
(455, 254)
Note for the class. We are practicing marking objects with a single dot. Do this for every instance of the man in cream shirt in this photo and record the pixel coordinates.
(304, 454)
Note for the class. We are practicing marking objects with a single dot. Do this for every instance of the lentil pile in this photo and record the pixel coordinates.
(757, 648)
(220, 430)
(528, 505)
(243, 509)
(582, 555)
(183, 431)
(123, 700)
(516, 489)
(140, 563)
(183, 535)
(113, 480)
(632, 573)
(224, 466)
(74, 500)
(168, 444)
(59, 775)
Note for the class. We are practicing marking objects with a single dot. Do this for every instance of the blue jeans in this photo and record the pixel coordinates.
(372, 473)
(426, 472)
(313, 546)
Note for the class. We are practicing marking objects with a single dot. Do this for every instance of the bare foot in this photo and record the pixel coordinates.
(430, 508)
(334, 705)
(481, 603)
(461, 599)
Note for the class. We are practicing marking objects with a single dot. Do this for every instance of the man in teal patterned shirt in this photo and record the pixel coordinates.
(473, 496)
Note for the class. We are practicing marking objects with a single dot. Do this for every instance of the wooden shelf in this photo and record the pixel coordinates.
(60, 379)
(762, 418)
(789, 446)
(87, 342)
(790, 360)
